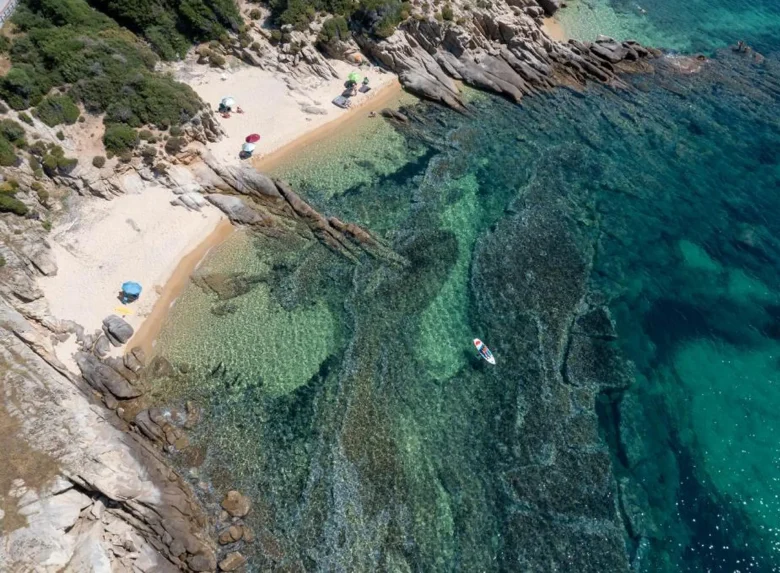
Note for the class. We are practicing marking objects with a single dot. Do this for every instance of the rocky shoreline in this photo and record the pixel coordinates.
(106, 496)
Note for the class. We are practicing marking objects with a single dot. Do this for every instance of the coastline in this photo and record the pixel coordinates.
(386, 96)
(146, 334)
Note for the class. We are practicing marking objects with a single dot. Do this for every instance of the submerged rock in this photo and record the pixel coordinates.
(232, 561)
(236, 504)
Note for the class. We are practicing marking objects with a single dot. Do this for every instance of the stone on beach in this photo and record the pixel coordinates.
(117, 330)
(232, 562)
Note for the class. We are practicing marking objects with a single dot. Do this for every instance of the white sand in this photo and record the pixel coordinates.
(272, 108)
(138, 237)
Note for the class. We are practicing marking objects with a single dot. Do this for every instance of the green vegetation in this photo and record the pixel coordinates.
(119, 137)
(23, 116)
(377, 17)
(9, 203)
(174, 145)
(447, 13)
(57, 109)
(171, 26)
(46, 225)
(333, 30)
(66, 42)
(2, 261)
(98, 161)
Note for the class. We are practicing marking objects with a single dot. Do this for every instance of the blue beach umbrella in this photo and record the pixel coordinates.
(130, 288)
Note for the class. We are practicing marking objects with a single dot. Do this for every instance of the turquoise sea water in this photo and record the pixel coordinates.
(347, 401)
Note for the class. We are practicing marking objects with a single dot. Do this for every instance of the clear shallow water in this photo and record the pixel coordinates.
(688, 27)
(347, 401)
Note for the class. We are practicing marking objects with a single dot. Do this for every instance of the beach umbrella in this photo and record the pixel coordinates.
(354, 77)
(228, 102)
(131, 288)
(248, 147)
(253, 138)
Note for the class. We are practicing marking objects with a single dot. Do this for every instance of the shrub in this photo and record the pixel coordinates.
(60, 135)
(38, 148)
(256, 47)
(49, 164)
(7, 153)
(174, 145)
(2, 261)
(46, 225)
(276, 37)
(161, 168)
(216, 60)
(119, 137)
(149, 153)
(175, 130)
(26, 118)
(11, 130)
(447, 13)
(333, 30)
(43, 195)
(126, 156)
(98, 161)
(10, 204)
(145, 135)
(66, 165)
(255, 14)
(57, 109)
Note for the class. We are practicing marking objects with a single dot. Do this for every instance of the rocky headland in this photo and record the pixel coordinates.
(88, 486)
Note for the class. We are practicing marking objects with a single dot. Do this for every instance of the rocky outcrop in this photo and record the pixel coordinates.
(500, 48)
(77, 493)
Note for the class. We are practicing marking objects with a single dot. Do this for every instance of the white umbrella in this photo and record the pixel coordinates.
(228, 102)
(248, 147)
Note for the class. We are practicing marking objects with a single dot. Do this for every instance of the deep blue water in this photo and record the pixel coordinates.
(384, 445)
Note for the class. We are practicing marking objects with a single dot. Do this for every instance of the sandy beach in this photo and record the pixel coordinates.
(279, 109)
(139, 237)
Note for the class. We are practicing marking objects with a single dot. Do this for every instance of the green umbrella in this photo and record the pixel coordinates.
(354, 77)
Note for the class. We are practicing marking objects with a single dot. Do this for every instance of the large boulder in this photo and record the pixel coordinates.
(117, 330)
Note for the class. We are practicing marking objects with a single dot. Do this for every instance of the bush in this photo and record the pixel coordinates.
(256, 47)
(276, 37)
(60, 136)
(447, 13)
(98, 161)
(49, 164)
(37, 148)
(11, 130)
(145, 135)
(65, 165)
(216, 60)
(26, 118)
(175, 130)
(126, 156)
(119, 137)
(43, 195)
(54, 110)
(255, 14)
(7, 153)
(46, 225)
(149, 153)
(2, 261)
(333, 30)
(174, 145)
(161, 168)
(10, 204)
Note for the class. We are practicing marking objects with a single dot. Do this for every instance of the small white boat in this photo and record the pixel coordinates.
(484, 351)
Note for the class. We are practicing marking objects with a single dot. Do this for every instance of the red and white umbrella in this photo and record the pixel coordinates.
(253, 138)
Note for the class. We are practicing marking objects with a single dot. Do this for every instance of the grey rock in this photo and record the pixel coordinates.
(236, 209)
(103, 378)
(102, 347)
(117, 330)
